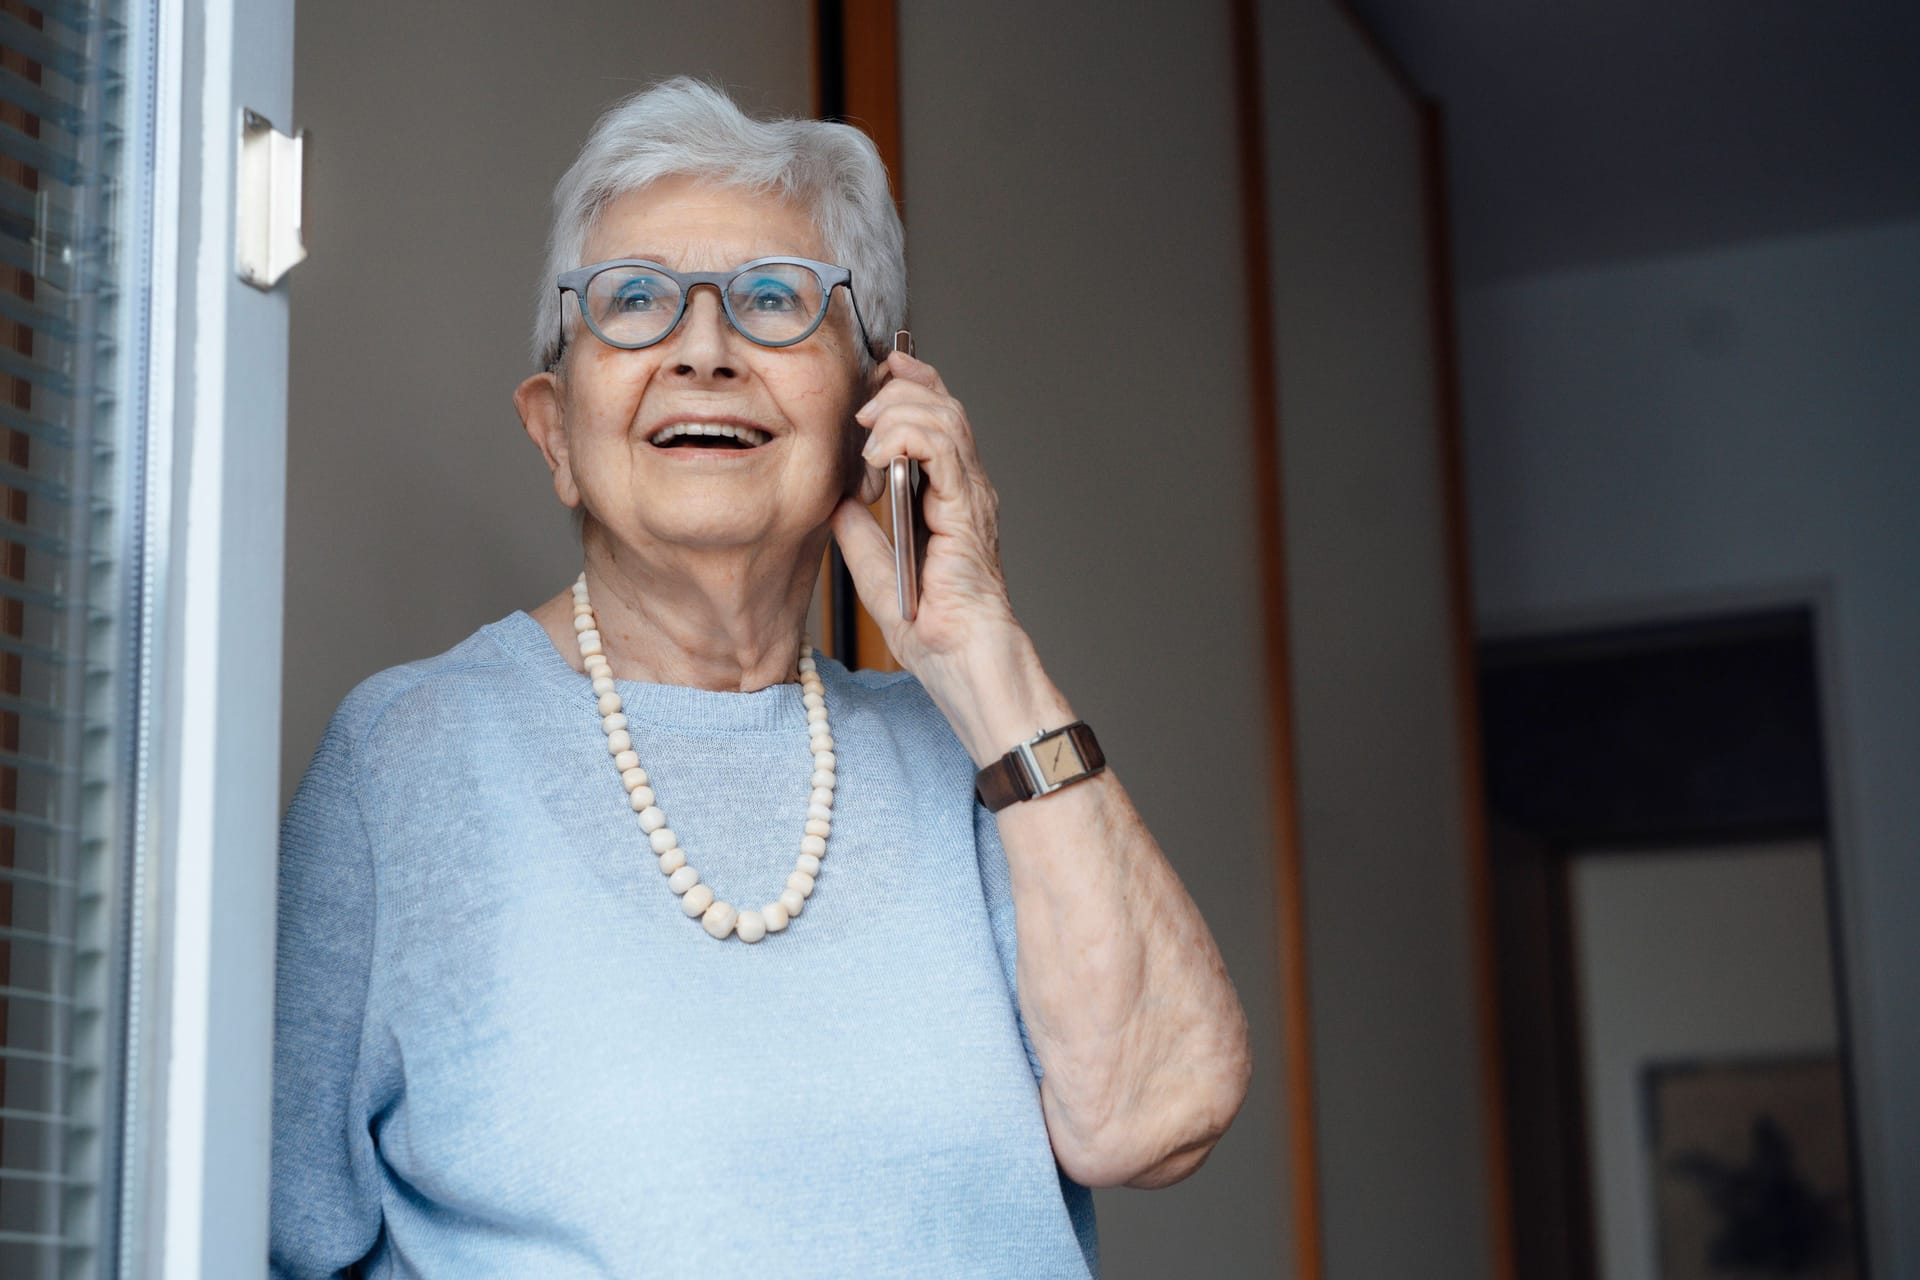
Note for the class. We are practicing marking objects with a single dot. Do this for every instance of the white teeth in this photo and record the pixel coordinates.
(747, 435)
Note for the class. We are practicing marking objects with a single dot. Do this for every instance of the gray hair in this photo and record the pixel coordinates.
(685, 128)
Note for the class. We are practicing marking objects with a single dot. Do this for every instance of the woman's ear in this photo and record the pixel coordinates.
(540, 402)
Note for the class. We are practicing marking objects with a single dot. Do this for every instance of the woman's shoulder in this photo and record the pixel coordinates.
(445, 688)
(897, 696)
(911, 718)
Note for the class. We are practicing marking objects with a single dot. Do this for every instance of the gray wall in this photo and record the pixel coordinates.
(1396, 1051)
(1058, 184)
(1704, 430)
(417, 509)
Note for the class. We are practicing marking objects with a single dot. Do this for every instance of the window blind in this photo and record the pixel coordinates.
(72, 252)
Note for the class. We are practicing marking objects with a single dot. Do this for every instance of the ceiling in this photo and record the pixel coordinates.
(1584, 133)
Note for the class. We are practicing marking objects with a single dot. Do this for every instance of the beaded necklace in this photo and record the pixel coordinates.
(696, 899)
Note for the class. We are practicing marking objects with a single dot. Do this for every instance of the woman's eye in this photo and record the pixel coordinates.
(637, 295)
(771, 295)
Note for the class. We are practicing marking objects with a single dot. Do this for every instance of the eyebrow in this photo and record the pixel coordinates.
(662, 259)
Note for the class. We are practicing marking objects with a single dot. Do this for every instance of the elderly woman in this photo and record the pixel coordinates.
(632, 937)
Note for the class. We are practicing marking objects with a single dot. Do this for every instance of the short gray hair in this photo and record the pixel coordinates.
(685, 128)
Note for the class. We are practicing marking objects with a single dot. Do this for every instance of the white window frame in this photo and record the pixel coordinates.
(208, 806)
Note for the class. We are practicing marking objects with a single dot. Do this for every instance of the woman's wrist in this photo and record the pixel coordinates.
(996, 694)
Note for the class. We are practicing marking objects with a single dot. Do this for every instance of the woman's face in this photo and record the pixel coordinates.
(595, 419)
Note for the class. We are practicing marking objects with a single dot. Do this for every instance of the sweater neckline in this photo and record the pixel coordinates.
(776, 708)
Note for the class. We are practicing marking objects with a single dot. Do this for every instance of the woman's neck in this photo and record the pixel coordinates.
(729, 621)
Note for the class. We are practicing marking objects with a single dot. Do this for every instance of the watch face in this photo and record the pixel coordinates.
(1058, 758)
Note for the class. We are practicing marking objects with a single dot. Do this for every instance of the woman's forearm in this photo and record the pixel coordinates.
(1141, 1037)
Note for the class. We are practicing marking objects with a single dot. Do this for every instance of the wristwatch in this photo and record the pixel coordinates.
(1043, 764)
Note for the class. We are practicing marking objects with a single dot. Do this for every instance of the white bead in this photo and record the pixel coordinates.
(813, 845)
(819, 827)
(750, 925)
(817, 728)
(609, 700)
(597, 665)
(718, 919)
(809, 864)
(652, 819)
(775, 914)
(823, 778)
(811, 699)
(634, 777)
(822, 796)
(697, 900)
(589, 641)
(626, 762)
(582, 618)
(663, 839)
(820, 812)
(672, 860)
(816, 715)
(822, 742)
(641, 798)
(683, 878)
(618, 720)
(826, 760)
(808, 664)
(619, 740)
(792, 901)
(801, 883)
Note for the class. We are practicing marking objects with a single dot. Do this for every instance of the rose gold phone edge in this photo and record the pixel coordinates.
(903, 483)
(903, 477)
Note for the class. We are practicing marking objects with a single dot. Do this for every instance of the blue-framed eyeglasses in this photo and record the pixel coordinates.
(632, 303)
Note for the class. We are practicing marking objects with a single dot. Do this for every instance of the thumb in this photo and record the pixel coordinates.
(869, 558)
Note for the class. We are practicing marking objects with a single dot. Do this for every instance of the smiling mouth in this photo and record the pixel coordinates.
(723, 436)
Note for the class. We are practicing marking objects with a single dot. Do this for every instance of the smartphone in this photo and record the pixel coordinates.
(903, 484)
(903, 481)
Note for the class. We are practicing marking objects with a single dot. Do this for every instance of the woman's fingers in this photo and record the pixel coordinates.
(894, 394)
(924, 438)
(915, 370)
(910, 380)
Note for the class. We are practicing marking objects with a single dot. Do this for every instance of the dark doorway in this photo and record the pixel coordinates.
(1657, 797)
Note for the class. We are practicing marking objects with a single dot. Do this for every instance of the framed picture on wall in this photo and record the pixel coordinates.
(1751, 1169)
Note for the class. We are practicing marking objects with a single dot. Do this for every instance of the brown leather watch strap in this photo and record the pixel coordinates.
(1002, 782)
(1006, 780)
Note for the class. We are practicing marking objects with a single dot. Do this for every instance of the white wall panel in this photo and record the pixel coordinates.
(1396, 1055)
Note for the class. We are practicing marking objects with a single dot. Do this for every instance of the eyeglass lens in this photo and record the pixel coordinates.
(775, 303)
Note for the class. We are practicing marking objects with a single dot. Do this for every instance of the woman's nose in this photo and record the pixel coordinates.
(703, 341)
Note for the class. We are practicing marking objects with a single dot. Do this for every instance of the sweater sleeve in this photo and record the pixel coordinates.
(326, 1213)
(997, 879)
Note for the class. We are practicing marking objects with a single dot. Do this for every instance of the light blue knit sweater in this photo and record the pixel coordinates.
(503, 1050)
